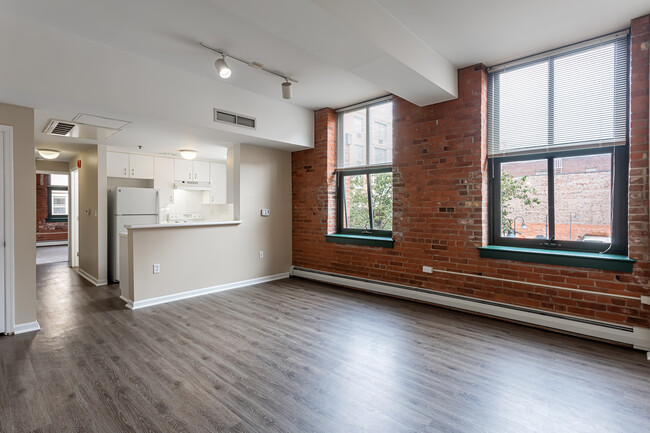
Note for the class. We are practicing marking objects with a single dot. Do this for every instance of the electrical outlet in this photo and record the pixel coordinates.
(156, 268)
(261, 254)
(265, 212)
(427, 269)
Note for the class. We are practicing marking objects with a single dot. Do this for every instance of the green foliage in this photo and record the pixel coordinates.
(514, 188)
(382, 198)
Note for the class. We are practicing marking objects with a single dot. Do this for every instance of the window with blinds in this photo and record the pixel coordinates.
(572, 98)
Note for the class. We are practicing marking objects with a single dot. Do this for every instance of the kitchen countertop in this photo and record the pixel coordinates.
(177, 225)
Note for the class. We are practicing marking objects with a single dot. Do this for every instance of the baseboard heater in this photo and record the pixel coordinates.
(635, 336)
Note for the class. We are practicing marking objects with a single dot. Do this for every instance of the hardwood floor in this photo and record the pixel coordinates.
(299, 356)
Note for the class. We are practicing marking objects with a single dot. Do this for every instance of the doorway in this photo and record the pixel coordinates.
(6, 231)
(52, 212)
(73, 220)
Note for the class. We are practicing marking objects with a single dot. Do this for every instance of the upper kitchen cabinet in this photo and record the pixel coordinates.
(191, 170)
(218, 180)
(117, 164)
(141, 166)
(163, 180)
(126, 165)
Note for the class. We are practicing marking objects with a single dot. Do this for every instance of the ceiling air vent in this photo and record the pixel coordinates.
(56, 127)
(233, 119)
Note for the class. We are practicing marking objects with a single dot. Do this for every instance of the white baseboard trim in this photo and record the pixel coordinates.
(632, 335)
(135, 305)
(51, 243)
(22, 328)
(90, 278)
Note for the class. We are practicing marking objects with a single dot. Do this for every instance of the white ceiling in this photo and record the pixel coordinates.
(340, 51)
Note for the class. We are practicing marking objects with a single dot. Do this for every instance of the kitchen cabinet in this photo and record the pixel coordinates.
(141, 166)
(163, 180)
(117, 164)
(201, 170)
(126, 165)
(191, 170)
(218, 180)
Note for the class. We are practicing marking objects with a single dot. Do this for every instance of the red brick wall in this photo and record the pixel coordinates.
(47, 231)
(440, 208)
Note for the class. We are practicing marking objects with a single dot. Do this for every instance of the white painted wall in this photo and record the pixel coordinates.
(193, 258)
(48, 69)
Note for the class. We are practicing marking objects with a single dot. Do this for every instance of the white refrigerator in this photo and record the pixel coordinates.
(127, 206)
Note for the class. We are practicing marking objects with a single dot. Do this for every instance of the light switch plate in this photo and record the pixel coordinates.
(265, 212)
(156, 268)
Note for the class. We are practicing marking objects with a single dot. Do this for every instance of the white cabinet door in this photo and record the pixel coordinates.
(183, 170)
(163, 180)
(117, 164)
(141, 166)
(218, 179)
(201, 170)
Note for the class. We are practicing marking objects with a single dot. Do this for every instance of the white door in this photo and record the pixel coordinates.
(141, 166)
(2, 235)
(201, 171)
(117, 164)
(73, 219)
(182, 170)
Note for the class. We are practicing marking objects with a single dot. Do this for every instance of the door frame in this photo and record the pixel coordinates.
(8, 180)
(73, 218)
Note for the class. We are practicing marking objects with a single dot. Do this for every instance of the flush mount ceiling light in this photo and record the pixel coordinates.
(225, 72)
(48, 153)
(188, 154)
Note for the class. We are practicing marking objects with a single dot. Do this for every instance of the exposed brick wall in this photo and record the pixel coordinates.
(47, 231)
(440, 208)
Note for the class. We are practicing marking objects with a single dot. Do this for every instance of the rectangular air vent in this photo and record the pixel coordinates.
(233, 119)
(57, 127)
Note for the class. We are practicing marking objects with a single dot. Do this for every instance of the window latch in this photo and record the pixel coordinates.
(366, 232)
(551, 243)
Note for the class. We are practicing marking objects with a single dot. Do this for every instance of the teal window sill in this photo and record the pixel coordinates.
(367, 241)
(578, 259)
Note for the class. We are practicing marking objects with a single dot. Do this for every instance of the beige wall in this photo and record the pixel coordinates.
(52, 166)
(22, 121)
(92, 212)
(198, 257)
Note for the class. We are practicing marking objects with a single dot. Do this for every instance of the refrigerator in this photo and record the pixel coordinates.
(127, 206)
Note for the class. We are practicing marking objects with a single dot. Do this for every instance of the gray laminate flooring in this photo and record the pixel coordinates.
(298, 356)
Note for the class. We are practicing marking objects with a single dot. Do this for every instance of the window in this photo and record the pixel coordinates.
(557, 148)
(57, 197)
(364, 170)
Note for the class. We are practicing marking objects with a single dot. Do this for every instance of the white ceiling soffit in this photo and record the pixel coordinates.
(359, 36)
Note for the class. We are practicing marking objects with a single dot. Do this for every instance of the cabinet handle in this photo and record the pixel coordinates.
(125, 172)
(132, 171)
(194, 176)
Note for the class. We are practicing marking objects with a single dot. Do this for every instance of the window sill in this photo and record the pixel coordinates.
(56, 220)
(578, 259)
(367, 241)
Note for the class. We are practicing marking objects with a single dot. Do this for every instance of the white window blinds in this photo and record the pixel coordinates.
(572, 98)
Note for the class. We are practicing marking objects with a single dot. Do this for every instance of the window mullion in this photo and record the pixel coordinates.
(551, 197)
(372, 226)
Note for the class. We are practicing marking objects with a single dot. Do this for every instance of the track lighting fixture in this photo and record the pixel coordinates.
(286, 90)
(222, 67)
(225, 72)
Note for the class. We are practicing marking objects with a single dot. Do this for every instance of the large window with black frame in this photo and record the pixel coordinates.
(558, 148)
(364, 169)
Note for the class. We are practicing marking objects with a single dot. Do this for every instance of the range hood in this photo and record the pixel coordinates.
(192, 185)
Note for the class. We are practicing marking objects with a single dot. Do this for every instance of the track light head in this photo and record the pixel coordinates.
(286, 90)
(222, 67)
